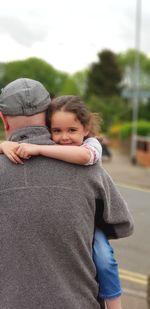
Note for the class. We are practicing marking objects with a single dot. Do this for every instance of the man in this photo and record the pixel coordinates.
(47, 213)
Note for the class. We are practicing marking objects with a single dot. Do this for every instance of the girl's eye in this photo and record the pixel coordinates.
(72, 130)
(55, 130)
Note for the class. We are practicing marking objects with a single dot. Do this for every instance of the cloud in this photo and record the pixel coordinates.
(69, 34)
(25, 33)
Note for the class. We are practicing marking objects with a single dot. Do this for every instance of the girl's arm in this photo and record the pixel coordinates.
(71, 154)
(87, 154)
(9, 149)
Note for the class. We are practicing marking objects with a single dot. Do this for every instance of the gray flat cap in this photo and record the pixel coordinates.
(24, 97)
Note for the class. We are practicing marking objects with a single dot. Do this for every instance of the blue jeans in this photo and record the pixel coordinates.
(106, 266)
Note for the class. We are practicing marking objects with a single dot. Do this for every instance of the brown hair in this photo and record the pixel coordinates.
(75, 105)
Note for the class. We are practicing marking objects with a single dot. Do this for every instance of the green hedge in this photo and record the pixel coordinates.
(124, 131)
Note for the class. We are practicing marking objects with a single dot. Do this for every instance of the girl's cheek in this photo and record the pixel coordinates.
(53, 137)
(56, 139)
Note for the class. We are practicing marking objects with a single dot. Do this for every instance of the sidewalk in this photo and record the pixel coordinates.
(124, 172)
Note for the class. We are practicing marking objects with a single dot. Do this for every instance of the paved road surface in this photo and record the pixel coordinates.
(133, 253)
(122, 171)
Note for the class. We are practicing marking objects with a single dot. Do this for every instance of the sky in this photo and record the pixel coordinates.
(68, 34)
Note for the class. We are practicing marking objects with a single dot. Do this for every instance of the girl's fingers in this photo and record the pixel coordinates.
(22, 154)
(11, 158)
(19, 153)
(14, 158)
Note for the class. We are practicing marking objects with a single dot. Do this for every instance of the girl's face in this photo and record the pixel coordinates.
(66, 129)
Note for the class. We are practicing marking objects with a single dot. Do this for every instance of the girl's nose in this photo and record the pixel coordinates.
(65, 136)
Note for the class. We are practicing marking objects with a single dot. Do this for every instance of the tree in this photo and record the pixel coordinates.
(55, 81)
(80, 79)
(127, 63)
(37, 69)
(105, 75)
(111, 110)
(69, 87)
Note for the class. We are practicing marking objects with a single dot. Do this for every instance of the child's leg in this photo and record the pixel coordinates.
(107, 271)
(114, 303)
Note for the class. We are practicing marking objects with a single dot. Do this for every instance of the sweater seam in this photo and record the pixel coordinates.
(40, 187)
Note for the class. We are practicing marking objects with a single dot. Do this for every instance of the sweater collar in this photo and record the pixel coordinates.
(32, 134)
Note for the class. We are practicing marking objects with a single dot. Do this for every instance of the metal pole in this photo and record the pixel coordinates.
(148, 292)
(136, 81)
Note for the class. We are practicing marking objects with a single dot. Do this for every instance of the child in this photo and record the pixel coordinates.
(73, 128)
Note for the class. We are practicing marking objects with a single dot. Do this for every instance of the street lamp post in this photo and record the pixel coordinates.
(136, 81)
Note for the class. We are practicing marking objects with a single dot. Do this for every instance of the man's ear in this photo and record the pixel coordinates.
(5, 121)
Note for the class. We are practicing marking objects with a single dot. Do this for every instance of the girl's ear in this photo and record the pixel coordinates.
(5, 121)
(86, 132)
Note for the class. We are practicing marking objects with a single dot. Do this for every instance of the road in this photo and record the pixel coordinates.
(133, 253)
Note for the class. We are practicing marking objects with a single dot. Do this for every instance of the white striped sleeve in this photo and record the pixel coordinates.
(95, 148)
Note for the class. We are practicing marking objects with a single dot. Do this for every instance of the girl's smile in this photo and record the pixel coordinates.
(66, 129)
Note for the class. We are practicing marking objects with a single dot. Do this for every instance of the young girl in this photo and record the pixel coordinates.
(73, 128)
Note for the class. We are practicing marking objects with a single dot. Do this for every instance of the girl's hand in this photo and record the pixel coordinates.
(25, 150)
(9, 149)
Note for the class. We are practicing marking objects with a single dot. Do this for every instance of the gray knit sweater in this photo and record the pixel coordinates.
(47, 215)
